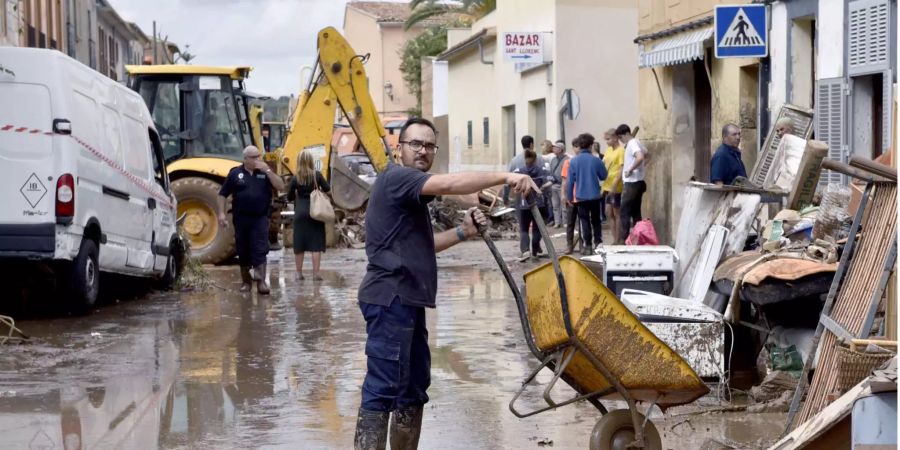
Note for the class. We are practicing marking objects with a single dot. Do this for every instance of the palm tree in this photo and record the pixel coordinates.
(467, 11)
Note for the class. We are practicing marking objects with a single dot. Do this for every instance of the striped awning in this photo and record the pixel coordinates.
(680, 48)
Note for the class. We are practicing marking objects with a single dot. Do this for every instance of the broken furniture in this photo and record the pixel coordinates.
(851, 305)
(645, 267)
(865, 417)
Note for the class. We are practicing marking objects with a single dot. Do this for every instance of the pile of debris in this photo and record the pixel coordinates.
(450, 210)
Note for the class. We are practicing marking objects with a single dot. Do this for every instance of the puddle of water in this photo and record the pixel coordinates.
(222, 370)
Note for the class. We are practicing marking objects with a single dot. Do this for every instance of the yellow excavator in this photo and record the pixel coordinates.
(205, 118)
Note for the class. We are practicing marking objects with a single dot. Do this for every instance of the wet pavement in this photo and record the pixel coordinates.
(219, 370)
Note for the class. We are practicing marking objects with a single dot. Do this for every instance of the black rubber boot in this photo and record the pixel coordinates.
(246, 279)
(371, 430)
(406, 426)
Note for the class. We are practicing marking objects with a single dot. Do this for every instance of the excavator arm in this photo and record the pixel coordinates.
(339, 80)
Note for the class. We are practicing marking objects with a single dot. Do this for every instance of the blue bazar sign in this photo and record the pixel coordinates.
(742, 31)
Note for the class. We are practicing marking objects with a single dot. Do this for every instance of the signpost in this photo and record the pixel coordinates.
(742, 31)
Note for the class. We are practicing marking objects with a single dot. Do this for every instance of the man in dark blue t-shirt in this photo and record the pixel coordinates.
(726, 164)
(250, 187)
(401, 281)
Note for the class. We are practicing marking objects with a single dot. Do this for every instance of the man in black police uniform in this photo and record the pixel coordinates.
(251, 185)
(401, 281)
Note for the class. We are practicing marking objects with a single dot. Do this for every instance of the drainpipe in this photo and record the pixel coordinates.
(481, 51)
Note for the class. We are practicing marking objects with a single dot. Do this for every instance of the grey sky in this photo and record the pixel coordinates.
(276, 37)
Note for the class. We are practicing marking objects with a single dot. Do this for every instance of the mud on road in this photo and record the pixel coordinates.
(218, 370)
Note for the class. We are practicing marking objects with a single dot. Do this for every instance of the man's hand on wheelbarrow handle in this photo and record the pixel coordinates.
(521, 183)
(475, 222)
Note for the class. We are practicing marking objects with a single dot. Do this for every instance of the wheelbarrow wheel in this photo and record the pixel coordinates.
(615, 431)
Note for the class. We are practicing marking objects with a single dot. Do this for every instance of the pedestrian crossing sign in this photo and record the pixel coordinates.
(741, 31)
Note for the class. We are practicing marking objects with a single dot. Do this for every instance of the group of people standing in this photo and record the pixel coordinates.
(584, 188)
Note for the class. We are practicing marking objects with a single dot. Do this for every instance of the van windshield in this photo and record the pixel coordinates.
(197, 122)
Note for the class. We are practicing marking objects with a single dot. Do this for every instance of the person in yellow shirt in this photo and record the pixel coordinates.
(614, 159)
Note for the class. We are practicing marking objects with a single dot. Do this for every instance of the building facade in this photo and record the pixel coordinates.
(686, 97)
(90, 31)
(118, 42)
(492, 102)
(838, 58)
(377, 29)
(40, 23)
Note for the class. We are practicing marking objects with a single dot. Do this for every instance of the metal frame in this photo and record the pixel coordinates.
(559, 358)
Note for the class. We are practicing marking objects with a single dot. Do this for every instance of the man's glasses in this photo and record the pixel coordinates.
(417, 146)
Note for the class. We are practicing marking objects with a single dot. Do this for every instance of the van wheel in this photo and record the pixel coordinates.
(174, 265)
(210, 243)
(84, 277)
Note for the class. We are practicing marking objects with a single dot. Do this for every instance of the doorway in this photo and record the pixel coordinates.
(508, 128)
(702, 120)
(537, 118)
(749, 111)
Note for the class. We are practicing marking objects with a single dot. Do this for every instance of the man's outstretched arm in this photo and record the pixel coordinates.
(471, 182)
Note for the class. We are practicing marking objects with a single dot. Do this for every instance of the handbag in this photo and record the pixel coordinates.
(319, 204)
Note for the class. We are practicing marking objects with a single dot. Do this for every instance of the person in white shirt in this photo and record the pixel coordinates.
(633, 177)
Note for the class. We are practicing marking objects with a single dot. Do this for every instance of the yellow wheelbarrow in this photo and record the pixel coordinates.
(578, 329)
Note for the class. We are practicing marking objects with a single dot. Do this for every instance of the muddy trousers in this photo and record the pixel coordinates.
(591, 222)
(630, 211)
(398, 359)
(526, 223)
(251, 239)
(559, 206)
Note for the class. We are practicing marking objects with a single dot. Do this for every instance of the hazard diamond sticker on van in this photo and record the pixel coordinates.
(33, 190)
(741, 31)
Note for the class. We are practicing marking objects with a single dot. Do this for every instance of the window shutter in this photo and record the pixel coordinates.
(869, 36)
(830, 124)
(887, 106)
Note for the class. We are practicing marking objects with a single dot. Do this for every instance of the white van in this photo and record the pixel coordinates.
(83, 185)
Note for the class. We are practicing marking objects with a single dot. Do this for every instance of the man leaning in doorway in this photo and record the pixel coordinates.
(401, 281)
(726, 164)
(633, 185)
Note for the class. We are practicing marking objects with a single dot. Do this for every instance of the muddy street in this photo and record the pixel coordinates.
(218, 369)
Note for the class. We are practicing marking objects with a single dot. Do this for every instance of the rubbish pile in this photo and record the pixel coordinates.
(787, 275)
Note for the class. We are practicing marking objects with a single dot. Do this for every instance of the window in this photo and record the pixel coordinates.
(164, 101)
(469, 133)
(486, 132)
(113, 51)
(104, 57)
(159, 165)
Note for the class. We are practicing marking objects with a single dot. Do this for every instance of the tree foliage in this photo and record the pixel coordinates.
(432, 42)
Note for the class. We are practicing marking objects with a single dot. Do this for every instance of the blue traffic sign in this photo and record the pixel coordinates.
(742, 31)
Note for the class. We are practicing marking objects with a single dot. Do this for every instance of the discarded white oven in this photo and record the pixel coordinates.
(649, 268)
(695, 331)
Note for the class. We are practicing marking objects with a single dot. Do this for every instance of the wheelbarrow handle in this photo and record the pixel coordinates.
(483, 230)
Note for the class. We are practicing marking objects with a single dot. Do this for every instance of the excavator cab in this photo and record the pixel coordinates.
(204, 120)
(200, 114)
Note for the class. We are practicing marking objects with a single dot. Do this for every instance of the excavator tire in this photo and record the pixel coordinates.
(210, 243)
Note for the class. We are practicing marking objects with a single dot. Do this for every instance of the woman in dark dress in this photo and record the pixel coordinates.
(309, 234)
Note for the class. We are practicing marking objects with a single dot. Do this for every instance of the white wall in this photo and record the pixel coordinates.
(779, 53)
(829, 39)
(9, 17)
(439, 84)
